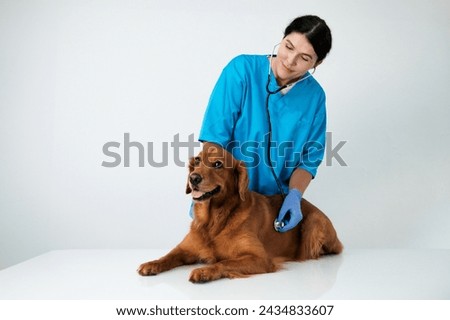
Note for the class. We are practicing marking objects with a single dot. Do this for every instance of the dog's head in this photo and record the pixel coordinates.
(214, 174)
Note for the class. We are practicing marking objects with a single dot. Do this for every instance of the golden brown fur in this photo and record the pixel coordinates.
(232, 231)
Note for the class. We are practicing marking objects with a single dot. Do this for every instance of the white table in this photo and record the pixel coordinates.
(110, 274)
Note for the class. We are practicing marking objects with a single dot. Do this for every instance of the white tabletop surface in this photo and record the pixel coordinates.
(111, 274)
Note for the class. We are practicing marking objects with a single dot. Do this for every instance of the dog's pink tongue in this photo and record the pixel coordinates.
(197, 194)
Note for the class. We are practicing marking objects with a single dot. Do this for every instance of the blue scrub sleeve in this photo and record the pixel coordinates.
(314, 149)
(224, 105)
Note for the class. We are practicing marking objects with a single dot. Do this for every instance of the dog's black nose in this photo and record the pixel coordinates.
(195, 179)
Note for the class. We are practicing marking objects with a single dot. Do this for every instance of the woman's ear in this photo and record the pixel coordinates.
(318, 63)
(242, 179)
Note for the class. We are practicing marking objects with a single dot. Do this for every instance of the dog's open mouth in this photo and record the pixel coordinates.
(200, 195)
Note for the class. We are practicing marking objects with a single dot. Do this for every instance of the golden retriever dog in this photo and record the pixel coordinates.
(233, 228)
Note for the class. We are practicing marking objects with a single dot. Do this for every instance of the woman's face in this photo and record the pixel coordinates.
(295, 57)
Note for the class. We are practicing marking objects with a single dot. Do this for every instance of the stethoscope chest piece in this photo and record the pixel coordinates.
(278, 225)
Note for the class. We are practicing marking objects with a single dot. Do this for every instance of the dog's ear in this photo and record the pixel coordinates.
(191, 168)
(242, 179)
(188, 188)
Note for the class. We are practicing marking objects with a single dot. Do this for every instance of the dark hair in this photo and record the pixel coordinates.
(316, 31)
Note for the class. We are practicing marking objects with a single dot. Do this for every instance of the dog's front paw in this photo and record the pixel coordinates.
(150, 268)
(205, 274)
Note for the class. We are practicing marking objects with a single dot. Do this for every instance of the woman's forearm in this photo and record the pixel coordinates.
(300, 180)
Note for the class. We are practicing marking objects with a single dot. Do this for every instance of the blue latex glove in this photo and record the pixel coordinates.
(290, 213)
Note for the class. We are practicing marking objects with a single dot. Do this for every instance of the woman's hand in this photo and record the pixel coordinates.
(290, 213)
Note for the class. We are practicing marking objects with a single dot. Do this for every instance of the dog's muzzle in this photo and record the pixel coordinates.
(205, 195)
(195, 179)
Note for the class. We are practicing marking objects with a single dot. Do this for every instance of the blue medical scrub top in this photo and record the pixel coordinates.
(236, 118)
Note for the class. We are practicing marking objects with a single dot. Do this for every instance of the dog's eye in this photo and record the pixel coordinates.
(196, 161)
(218, 164)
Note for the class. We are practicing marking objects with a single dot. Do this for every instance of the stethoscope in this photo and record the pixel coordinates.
(276, 224)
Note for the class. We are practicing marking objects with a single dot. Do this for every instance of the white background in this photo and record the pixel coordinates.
(75, 75)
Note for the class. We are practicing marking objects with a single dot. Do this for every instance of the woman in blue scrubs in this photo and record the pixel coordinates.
(270, 112)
